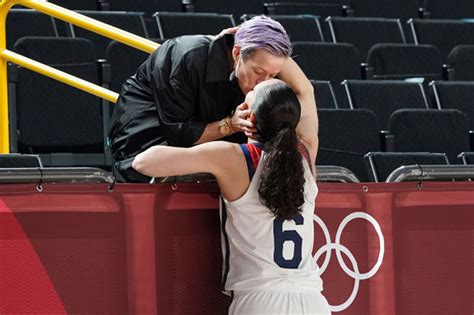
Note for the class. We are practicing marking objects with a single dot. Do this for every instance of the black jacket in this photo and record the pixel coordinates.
(185, 84)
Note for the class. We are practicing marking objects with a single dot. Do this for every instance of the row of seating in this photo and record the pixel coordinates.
(361, 32)
(346, 135)
(34, 97)
(363, 8)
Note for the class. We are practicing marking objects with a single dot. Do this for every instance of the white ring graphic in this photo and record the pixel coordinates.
(338, 248)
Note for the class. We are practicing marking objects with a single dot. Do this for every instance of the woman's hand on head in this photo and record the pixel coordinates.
(241, 121)
(230, 30)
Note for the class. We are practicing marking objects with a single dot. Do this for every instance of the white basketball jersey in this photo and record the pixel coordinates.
(259, 250)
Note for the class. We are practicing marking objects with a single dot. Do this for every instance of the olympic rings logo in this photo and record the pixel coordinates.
(338, 248)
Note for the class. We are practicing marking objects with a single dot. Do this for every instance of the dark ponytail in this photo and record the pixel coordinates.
(277, 112)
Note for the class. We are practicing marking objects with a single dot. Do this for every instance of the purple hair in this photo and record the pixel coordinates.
(262, 32)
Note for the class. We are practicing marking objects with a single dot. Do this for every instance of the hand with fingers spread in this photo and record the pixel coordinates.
(231, 30)
(241, 120)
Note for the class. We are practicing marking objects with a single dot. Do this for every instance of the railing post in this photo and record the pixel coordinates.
(5, 6)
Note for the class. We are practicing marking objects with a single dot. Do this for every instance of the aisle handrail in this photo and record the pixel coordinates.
(68, 16)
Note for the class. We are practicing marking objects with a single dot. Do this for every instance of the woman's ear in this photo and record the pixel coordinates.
(236, 52)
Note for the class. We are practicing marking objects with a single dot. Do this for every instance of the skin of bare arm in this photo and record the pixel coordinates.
(222, 159)
(308, 126)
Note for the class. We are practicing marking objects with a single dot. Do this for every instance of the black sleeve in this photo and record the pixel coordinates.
(178, 103)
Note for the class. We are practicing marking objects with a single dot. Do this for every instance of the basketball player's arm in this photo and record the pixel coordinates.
(161, 161)
(308, 126)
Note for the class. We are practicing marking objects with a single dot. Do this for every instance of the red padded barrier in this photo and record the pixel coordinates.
(155, 249)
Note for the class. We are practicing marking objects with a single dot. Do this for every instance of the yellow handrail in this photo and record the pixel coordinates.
(70, 17)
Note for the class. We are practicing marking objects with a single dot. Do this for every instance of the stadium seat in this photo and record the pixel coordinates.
(124, 61)
(461, 59)
(345, 136)
(401, 9)
(467, 158)
(132, 22)
(299, 27)
(444, 34)
(455, 95)
(292, 8)
(147, 6)
(384, 97)
(363, 33)
(324, 94)
(403, 61)
(430, 130)
(25, 22)
(329, 62)
(236, 8)
(62, 124)
(171, 24)
(381, 164)
(91, 5)
(442, 9)
(14, 160)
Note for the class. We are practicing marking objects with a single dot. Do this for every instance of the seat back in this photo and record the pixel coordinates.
(26, 22)
(345, 136)
(363, 33)
(324, 94)
(132, 22)
(402, 61)
(384, 97)
(173, 24)
(52, 116)
(328, 62)
(444, 34)
(430, 130)
(381, 164)
(455, 95)
(461, 59)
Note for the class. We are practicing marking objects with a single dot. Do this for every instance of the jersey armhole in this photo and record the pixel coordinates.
(252, 153)
(305, 153)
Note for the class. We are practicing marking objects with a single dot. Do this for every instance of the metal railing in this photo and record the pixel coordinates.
(431, 172)
(40, 175)
(70, 17)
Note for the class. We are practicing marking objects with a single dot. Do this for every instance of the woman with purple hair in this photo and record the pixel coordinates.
(191, 90)
(268, 193)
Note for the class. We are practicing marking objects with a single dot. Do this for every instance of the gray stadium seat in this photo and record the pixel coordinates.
(444, 34)
(381, 164)
(401, 9)
(430, 130)
(147, 6)
(15, 160)
(461, 59)
(345, 136)
(124, 61)
(467, 158)
(26, 22)
(384, 97)
(402, 61)
(173, 24)
(236, 8)
(293, 8)
(442, 9)
(132, 22)
(62, 124)
(324, 94)
(363, 33)
(80, 5)
(455, 95)
(329, 62)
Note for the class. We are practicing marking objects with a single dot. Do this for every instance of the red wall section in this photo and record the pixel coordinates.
(155, 249)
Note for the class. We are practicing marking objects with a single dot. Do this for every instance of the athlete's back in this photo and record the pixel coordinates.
(263, 250)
